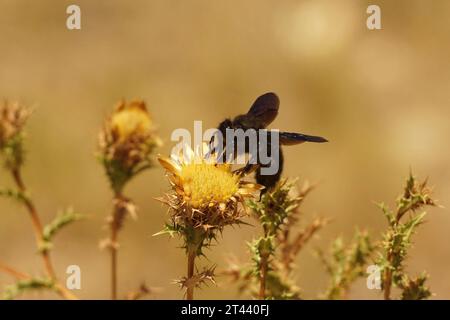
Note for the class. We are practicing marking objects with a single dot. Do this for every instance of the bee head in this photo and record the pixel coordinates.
(224, 125)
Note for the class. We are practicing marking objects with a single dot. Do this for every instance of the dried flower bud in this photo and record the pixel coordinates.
(12, 120)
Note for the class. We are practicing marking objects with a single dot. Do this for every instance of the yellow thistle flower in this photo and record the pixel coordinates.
(126, 142)
(131, 119)
(201, 183)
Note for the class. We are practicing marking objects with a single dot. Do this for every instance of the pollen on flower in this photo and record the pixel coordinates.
(205, 184)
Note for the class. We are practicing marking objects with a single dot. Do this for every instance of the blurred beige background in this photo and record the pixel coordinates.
(381, 97)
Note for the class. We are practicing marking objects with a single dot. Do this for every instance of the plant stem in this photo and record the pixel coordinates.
(190, 273)
(113, 264)
(13, 272)
(38, 231)
(263, 277)
(115, 225)
(388, 280)
(387, 283)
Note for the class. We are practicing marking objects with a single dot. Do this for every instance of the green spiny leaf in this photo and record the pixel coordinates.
(13, 194)
(62, 219)
(22, 286)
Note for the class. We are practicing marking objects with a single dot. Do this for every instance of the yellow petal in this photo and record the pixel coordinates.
(169, 165)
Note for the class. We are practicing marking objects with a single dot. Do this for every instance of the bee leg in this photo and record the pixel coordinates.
(249, 168)
(269, 181)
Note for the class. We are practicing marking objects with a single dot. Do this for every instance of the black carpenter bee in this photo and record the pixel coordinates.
(263, 111)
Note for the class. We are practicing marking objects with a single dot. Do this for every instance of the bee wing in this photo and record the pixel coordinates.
(291, 138)
(265, 109)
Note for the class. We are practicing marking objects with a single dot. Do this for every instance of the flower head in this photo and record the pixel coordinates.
(127, 141)
(206, 192)
(131, 119)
